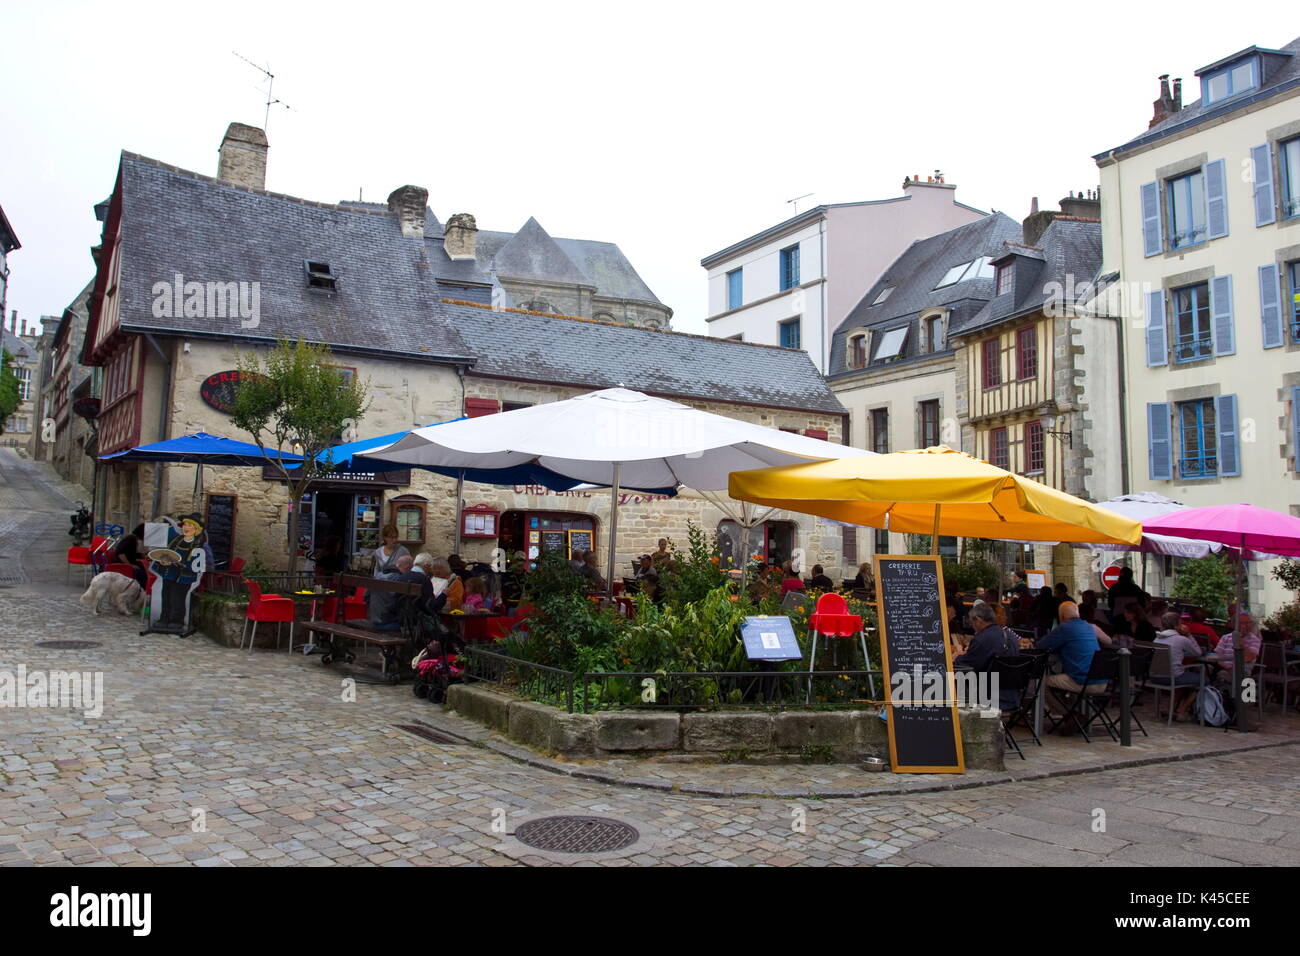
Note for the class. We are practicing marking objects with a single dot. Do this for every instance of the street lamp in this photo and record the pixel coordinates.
(1049, 417)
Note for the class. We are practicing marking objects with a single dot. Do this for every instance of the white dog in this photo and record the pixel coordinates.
(125, 592)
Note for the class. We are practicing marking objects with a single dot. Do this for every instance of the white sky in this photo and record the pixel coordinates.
(672, 129)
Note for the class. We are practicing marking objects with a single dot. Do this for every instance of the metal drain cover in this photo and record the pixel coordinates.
(68, 645)
(577, 834)
(427, 734)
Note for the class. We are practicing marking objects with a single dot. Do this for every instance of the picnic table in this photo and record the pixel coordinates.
(393, 646)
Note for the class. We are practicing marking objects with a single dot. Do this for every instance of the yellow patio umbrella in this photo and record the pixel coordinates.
(935, 491)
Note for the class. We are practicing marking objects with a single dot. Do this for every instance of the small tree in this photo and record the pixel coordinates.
(293, 401)
(8, 389)
(1288, 572)
(1207, 582)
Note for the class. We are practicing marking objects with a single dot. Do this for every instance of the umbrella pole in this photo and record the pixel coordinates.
(460, 505)
(744, 545)
(198, 485)
(613, 530)
(934, 538)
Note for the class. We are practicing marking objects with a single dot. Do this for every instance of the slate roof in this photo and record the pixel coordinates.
(393, 291)
(1283, 77)
(531, 253)
(1066, 260)
(20, 350)
(8, 238)
(549, 348)
(913, 277)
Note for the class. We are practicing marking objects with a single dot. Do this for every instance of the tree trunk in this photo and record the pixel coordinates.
(295, 501)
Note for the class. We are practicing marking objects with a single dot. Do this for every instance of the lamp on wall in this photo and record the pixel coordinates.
(1050, 418)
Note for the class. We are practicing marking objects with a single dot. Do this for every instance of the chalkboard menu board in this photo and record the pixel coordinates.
(554, 541)
(579, 541)
(924, 736)
(220, 528)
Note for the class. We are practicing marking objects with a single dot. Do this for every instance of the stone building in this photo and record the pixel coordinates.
(195, 269)
(69, 445)
(21, 343)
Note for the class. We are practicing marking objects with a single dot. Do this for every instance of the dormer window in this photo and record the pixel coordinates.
(858, 351)
(889, 345)
(1230, 81)
(321, 276)
(1004, 279)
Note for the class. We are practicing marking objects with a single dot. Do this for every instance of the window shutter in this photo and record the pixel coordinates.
(478, 407)
(1151, 244)
(1262, 160)
(1160, 453)
(1225, 418)
(1157, 339)
(1270, 306)
(816, 433)
(1295, 425)
(1222, 326)
(1216, 200)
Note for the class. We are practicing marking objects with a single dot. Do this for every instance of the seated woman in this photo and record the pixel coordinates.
(1135, 627)
(1181, 649)
(789, 580)
(864, 579)
(1247, 637)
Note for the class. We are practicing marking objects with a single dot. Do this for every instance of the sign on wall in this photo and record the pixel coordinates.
(218, 389)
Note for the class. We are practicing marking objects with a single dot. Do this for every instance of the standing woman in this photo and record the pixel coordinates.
(386, 554)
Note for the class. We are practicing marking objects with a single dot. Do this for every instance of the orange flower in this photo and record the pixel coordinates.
(715, 560)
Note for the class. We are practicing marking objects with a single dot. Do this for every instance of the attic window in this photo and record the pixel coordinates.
(890, 344)
(884, 294)
(1231, 80)
(321, 276)
(981, 268)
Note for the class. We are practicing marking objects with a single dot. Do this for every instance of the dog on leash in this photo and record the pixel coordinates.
(125, 592)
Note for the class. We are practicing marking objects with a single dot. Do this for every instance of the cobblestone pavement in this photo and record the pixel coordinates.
(211, 756)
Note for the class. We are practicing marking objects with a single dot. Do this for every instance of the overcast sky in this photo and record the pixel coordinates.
(672, 129)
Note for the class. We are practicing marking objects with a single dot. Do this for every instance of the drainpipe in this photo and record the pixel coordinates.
(1124, 483)
(164, 420)
(825, 319)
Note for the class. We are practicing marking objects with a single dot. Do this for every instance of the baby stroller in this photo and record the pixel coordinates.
(435, 672)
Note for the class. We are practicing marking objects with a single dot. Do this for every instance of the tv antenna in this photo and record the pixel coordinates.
(270, 85)
(795, 202)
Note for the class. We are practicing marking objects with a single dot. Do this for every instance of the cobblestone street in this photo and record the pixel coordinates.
(215, 757)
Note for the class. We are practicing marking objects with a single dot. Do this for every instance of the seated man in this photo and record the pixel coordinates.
(1075, 642)
(820, 582)
(419, 573)
(1201, 632)
(989, 641)
(589, 568)
(1181, 649)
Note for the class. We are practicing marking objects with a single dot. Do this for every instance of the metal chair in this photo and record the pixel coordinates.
(1089, 705)
(1022, 673)
(1161, 679)
(1274, 670)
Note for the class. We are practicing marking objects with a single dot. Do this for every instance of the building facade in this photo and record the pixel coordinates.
(793, 284)
(1201, 227)
(404, 308)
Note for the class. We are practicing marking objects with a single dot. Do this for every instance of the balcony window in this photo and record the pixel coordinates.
(1186, 196)
(1198, 455)
(1293, 303)
(1289, 160)
(1193, 338)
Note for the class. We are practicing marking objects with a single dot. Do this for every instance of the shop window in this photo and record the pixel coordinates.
(409, 514)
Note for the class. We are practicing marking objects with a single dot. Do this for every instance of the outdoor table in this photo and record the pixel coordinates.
(300, 597)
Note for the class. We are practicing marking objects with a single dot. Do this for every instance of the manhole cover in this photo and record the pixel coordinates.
(577, 834)
(427, 734)
(68, 645)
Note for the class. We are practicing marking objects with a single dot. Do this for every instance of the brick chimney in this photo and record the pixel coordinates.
(460, 237)
(243, 156)
(409, 203)
(1167, 105)
(1084, 205)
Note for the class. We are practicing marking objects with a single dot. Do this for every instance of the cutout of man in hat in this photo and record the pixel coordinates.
(181, 578)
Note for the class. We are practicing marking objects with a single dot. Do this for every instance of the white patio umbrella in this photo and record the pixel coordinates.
(617, 437)
(1143, 506)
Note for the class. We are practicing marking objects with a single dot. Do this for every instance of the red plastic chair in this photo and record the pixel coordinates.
(354, 607)
(77, 555)
(237, 565)
(271, 608)
(831, 618)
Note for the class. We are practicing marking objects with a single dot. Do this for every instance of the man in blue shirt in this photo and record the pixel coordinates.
(1075, 642)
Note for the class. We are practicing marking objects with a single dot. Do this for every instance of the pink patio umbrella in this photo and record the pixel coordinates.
(1244, 527)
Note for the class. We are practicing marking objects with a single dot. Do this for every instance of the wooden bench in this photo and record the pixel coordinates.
(394, 646)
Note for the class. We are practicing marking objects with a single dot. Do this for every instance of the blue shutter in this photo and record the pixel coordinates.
(1151, 244)
(1216, 200)
(1262, 160)
(1270, 306)
(1157, 334)
(1225, 419)
(1295, 425)
(1160, 452)
(1222, 327)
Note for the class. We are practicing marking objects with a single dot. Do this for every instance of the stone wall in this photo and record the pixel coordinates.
(846, 735)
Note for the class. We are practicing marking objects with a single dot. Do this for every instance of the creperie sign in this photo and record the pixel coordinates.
(218, 389)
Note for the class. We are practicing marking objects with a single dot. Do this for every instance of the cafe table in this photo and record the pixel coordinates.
(303, 596)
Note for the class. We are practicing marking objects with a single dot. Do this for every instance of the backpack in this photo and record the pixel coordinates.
(1210, 707)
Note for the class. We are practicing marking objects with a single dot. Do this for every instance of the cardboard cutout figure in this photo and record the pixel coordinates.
(179, 568)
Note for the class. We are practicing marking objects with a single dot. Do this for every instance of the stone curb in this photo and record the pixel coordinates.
(988, 778)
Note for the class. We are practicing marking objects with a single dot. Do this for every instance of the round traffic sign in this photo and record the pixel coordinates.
(1110, 576)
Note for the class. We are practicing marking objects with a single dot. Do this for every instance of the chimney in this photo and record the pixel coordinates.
(409, 203)
(1167, 105)
(1033, 205)
(243, 156)
(460, 237)
(1082, 206)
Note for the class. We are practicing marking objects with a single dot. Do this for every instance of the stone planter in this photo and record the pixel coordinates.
(223, 622)
(840, 735)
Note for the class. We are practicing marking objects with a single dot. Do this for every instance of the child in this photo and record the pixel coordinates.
(476, 599)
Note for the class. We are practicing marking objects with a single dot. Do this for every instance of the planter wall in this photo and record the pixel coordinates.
(223, 622)
(847, 735)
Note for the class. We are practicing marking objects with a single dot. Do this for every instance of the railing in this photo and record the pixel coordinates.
(279, 582)
(647, 690)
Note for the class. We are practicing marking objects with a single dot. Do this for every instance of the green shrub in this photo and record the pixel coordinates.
(970, 574)
(1286, 618)
(1207, 582)
(1288, 572)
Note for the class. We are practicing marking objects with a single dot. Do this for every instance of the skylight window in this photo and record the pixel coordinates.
(891, 343)
(321, 276)
(884, 294)
(981, 268)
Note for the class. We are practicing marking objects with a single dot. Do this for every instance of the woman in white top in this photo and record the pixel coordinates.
(386, 555)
